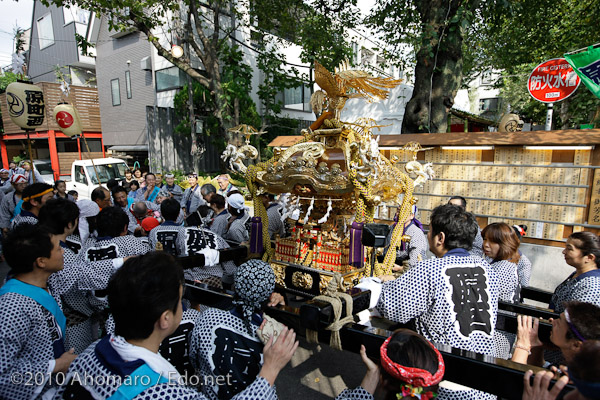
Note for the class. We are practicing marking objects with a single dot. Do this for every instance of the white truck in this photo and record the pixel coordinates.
(83, 176)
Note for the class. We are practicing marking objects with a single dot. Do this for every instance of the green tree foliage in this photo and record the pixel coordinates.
(529, 32)
(532, 31)
(520, 101)
(580, 108)
(6, 78)
(276, 80)
(452, 40)
(320, 27)
(204, 26)
(437, 32)
(239, 107)
(208, 28)
(237, 82)
(19, 40)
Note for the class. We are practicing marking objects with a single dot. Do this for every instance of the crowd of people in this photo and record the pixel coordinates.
(95, 289)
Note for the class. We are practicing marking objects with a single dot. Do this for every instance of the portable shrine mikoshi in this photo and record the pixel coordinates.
(331, 182)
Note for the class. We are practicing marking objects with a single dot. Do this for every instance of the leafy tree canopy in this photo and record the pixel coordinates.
(451, 42)
(529, 32)
(433, 37)
(533, 31)
(6, 78)
(208, 31)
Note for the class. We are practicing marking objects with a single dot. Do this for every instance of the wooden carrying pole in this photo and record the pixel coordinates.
(91, 159)
(32, 172)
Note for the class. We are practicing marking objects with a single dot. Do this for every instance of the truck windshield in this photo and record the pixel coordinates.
(43, 167)
(106, 172)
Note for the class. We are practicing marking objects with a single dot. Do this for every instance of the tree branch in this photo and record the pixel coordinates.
(216, 25)
(179, 63)
(200, 32)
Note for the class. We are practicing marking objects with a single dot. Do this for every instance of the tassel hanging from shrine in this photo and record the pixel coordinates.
(256, 235)
(357, 255)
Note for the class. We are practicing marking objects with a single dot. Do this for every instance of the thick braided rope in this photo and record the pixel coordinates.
(370, 201)
(365, 208)
(259, 208)
(407, 187)
(333, 297)
(405, 207)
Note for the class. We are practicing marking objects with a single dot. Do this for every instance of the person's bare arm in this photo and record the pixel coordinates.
(277, 355)
(371, 378)
(528, 347)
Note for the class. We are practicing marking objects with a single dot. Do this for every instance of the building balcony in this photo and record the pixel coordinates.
(85, 99)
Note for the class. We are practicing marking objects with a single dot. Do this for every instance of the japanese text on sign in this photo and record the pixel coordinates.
(552, 81)
(594, 213)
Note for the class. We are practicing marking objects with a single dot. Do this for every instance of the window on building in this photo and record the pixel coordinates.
(66, 145)
(128, 83)
(45, 31)
(116, 92)
(486, 78)
(488, 105)
(169, 79)
(296, 98)
(95, 145)
(73, 13)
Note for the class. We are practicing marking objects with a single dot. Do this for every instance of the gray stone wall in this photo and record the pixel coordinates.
(549, 268)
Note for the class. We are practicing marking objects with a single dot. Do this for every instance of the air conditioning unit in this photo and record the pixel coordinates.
(146, 64)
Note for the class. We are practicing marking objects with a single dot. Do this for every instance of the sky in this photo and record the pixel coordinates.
(12, 14)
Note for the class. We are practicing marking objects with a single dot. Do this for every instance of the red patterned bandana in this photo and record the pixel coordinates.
(414, 376)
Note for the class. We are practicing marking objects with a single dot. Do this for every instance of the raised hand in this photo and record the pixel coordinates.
(538, 390)
(277, 355)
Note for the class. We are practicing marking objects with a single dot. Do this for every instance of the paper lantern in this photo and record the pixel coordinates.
(25, 103)
(67, 118)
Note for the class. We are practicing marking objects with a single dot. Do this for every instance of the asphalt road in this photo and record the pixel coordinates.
(319, 372)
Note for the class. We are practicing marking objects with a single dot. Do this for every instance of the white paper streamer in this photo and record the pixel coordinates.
(326, 216)
(293, 212)
(284, 201)
(310, 208)
(18, 60)
(66, 89)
